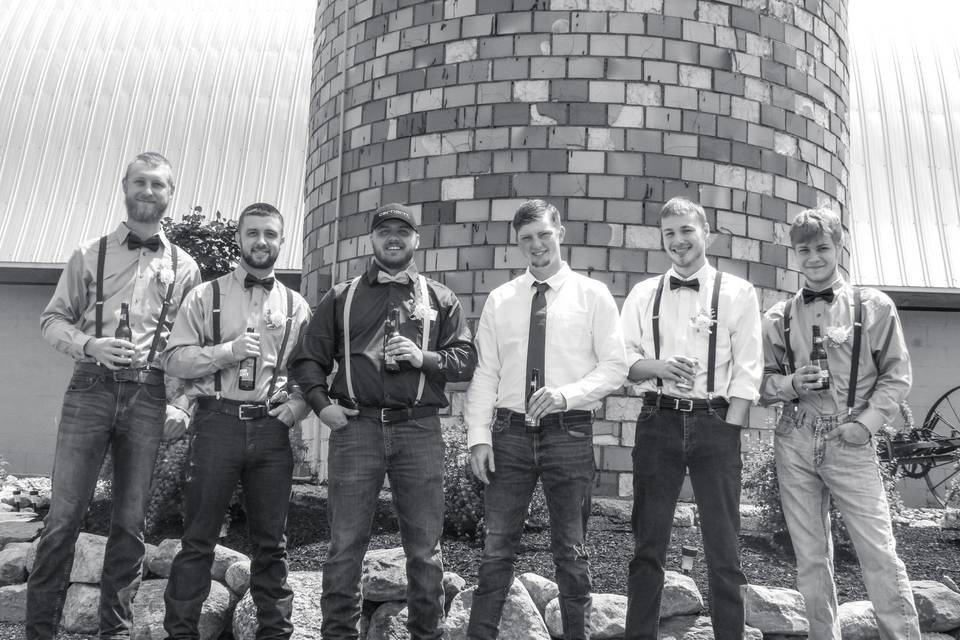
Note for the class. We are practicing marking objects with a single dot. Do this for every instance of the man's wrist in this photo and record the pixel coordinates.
(864, 427)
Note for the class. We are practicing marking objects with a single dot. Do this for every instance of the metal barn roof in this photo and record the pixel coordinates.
(220, 87)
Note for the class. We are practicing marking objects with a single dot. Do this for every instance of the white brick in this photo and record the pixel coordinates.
(606, 91)
(606, 5)
(426, 145)
(728, 175)
(460, 51)
(455, 141)
(645, 6)
(352, 118)
(756, 89)
(427, 99)
(457, 188)
(398, 105)
(714, 13)
(785, 144)
(459, 8)
(536, 118)
(699, 77)
(627, 117)
(759, 182)
(531, 91)
(599, 139)
(650, 95)
(641, 237)
(625, 485)
(620, 408)
(744, 109)
(745, 249)
(575, 5)
(628, 433)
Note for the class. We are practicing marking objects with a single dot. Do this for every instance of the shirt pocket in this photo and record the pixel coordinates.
(571, 331)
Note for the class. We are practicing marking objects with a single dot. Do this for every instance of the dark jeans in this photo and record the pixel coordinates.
(562, 458)
(97, 414)
(667, 444)
(410, 453)
(257, 454)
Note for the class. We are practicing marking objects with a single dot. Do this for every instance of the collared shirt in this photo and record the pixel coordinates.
(685, 327)
(139, 278)
(884, 375)
(192, 354)
(449, 357)
(584, 357)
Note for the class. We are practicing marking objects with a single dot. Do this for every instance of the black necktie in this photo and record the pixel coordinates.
(253, 281)
(537, 339)
(809, 295)
(135, 242)
(677, 283)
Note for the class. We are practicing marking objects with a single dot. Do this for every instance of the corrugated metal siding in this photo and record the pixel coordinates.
(222, 88)
(905, 142)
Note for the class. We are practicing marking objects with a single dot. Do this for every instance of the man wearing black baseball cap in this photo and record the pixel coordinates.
(397, 338)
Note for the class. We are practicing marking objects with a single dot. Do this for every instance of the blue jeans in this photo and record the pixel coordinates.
(226, 450)
(668, 443)
(850, 474)
(98, 413)
(361, 453)
(562, 458)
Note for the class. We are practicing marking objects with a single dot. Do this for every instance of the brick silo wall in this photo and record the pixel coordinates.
(465, 108)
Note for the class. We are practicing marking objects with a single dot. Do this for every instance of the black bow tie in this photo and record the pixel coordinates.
(677, 283)
(809, 295)
(135, 242)
(254, 281)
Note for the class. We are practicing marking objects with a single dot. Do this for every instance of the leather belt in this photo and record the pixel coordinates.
(685, 405)
(549, 420)
(143, 375)
(236, 408)
(387, 415)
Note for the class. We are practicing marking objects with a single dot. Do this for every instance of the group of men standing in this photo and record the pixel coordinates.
(372, 361)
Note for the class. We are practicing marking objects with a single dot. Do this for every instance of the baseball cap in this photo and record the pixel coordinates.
(393, 211)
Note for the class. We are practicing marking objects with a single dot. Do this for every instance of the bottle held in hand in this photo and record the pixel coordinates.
(391, 328)
(818, 357)
(532, 387)
(123, 331)
(248, 371)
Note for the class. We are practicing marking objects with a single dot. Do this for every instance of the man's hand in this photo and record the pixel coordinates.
(246, 345)
(806, 377)
(404, 349)
(335, 416)
(110, 352)
(175, 424)
(481, 460)
(545, 401)
(855, 433)
(675, 369)
(284, 414)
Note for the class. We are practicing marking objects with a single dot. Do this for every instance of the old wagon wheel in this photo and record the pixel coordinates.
(942, 427)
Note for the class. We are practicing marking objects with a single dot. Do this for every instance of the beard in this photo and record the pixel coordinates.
(259, 259)
(394, 259)
(146, 212)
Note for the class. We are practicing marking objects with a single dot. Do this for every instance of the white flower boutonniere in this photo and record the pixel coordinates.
(274, 319)
(703, 322)
(839, 335)
(422, 309)
(166, 276)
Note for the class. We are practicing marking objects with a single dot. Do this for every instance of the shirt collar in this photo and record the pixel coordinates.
(374, 268)
(703, 274)
(555, 281)
(240, 273)
(122, 231)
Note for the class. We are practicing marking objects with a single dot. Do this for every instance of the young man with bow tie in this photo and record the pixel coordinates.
(246, 404)
(824, 440)
(397, 338)
(116, 399)
(693, 337)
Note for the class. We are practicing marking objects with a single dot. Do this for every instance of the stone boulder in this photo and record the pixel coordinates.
(384, 576)
(389, 622)
(19, 531)
(617, 508)
(149, 551)
(148, 611)
(307, 587)
(13, 563)
(937, 605)
(81, 609)
(88, 558)
(857, 621)
(13, 603)
(608, 616)
(238, 577)
(680, 596)
(541, 590)
(697, 628)
(775, 610)
(223, 557)
(520, 620)
(685, 515)
(452, 585)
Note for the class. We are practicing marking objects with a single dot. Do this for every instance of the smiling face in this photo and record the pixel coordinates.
(147, 190)
(818, 257)
(685, 241)
(394, 242)
(539, 241)
(260, 239)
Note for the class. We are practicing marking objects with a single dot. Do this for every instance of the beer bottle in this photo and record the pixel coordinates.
(818, 357)
(532, 387)
(248, 371)
(391, 328)
(123, 326)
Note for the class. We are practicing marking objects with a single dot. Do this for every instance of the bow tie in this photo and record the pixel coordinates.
(135, 242)
(677, 283)
(253, 281)
(385, 278)
(809, 295)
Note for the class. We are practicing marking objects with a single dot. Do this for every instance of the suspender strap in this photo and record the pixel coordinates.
(164, 310)
(855, 356)
(283, 343)
(712, 348)
(347, 304)
(101, 258)
(791, 359)
(215, 285)
(656, 328)
(425, 339)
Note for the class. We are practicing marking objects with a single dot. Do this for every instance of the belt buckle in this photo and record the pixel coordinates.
(679, 406)
(142, 375)
(383, 415)
(242, 411)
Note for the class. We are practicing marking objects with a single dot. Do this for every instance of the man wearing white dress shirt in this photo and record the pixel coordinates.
(550, 348)
(693, 336)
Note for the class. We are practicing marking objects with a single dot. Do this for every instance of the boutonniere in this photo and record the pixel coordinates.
(703, 322)
(420, 309)
(274, 319)
(839, 335)
(166, 275)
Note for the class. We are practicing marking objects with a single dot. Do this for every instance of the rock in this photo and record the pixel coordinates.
(924, 524)
(32, 555)
(148, 611)
(307, 586)
(384, 575)
(520, 620)
(19, 532)
(452, 585)
(697, 628)
(541, 590)
(389, 622)
(937, 605)
(223, 557)
(775, 610)
(612, 508)
(13, 563)
(947, 580)
(680, 596)
(149, 552)
(88, 558)
(685, 515)
(13, 603)
(933, 635)
(81, 609)
(238, 577)
(857, 621)
(459, 615)
(608, 616)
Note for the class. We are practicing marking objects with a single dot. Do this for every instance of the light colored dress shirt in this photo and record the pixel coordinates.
(138, 277)
(584, 348)
(685, 327)
(192, 355)
(884, 376)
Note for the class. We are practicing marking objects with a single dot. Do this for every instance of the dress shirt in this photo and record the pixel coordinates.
(131, 276)
(584, 358)
(684, 317)
(192, 355)
(449, 357)
(884, 375)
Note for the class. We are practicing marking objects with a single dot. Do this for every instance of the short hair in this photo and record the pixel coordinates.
(151, 159)
(811, 223)
(680, 206)
(533, 210)
(259, 209)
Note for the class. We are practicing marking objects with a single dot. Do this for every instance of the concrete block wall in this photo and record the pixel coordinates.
(465, 108)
